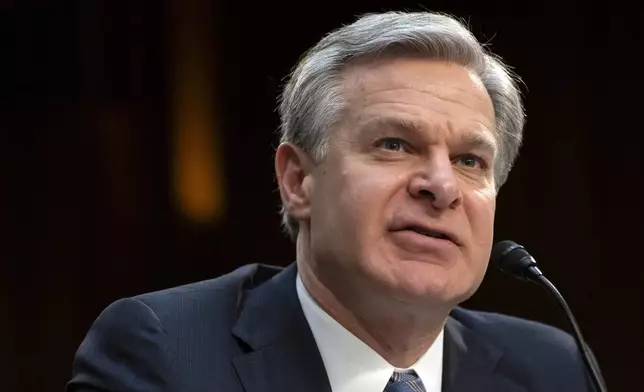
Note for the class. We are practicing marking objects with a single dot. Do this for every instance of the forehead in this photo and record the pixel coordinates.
(429, 90)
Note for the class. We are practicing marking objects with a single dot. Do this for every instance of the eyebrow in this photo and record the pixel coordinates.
(470, 139)
(479, 141)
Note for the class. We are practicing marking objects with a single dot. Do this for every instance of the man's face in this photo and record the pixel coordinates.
(404, 202)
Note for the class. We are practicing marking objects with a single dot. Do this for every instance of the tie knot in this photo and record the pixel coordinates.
(405, 382)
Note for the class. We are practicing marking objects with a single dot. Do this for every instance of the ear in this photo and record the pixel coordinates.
(293, 168)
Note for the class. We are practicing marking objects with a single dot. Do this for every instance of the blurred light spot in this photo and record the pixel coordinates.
(197, 172)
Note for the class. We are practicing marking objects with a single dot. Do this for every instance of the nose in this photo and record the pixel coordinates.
(437, 183)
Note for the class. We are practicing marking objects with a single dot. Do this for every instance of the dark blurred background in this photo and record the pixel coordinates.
(136, 154)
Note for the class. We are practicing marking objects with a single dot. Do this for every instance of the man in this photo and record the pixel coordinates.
(397, 132)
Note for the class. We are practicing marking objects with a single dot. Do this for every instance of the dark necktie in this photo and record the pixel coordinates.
(405, 382)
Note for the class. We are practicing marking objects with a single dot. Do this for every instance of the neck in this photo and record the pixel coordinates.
(399, 332)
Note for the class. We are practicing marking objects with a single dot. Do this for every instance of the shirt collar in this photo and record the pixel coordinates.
(353, 366)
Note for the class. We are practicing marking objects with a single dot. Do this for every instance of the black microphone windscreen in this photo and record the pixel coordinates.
(511, 258)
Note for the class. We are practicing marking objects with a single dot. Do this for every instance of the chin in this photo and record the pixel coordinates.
(432, 284)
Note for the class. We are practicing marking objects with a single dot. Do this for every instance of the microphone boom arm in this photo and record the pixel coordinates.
(515, 261)
(537, 277)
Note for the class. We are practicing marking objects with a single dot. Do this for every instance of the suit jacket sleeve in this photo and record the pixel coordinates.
(126, 349)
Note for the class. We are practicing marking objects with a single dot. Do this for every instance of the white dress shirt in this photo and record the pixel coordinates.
(353, 366)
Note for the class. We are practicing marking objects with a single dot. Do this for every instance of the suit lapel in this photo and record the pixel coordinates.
(283, 355)
(470, 363)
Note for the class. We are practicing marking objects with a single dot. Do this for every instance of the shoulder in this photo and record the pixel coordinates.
(511, 333)
(145, 339)
(497, 325)
(209, 304)
(538, 354)
(242, 278)
(221, 295)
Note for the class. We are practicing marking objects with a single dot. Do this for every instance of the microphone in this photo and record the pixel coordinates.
(512, 259)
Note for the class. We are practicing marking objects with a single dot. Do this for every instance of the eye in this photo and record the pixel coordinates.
(470, 160)
(391, 144)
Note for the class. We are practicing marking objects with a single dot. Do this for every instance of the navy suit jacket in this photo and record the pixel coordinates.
(246, 332)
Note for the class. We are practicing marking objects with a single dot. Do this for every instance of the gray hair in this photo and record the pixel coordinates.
(311, 102)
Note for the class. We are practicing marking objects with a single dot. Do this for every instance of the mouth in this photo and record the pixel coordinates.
(429, 232)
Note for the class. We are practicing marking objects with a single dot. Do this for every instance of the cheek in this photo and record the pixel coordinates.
(361, 200)
(358, 196)
(337, 204)
(480, 207)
